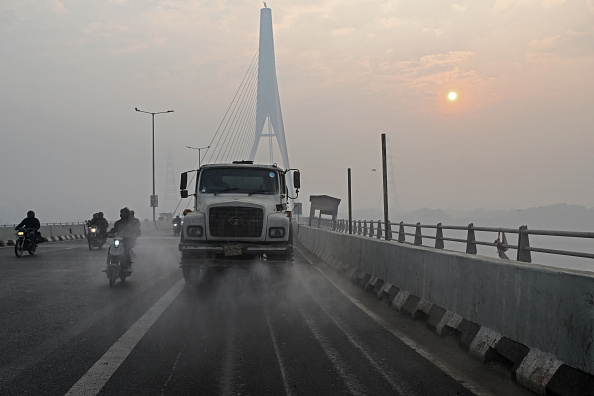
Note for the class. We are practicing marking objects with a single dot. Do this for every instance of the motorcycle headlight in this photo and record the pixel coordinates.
(93, 230)
(195, 231)
(276, 232)
(20, 233)
(116, 243)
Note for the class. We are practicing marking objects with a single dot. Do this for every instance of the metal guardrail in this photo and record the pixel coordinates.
(376, 229)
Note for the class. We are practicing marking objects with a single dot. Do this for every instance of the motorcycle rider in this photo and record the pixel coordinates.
(102, 224)
(93, 221)
(135, 224)
(176, 222)
(134, 220)
(31, 222)
(128, 229)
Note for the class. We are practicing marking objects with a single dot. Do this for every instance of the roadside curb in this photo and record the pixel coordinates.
(534, 369)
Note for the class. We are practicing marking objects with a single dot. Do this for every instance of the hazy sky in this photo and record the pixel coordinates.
(519, 135)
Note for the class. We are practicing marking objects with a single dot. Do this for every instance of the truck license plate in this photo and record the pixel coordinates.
(233, 250)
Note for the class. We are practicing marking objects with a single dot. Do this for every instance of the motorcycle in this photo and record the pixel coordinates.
(176, 228)
(118, 261)
(94, 237)
(25, 241)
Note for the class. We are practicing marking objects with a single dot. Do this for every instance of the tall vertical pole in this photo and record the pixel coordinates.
(154, 219)
(385, 182)
(350, 205)
(153, 197)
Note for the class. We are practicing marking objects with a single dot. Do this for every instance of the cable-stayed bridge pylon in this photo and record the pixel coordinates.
(255, 105)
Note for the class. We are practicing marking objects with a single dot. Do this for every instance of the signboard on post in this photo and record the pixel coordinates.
(154, 201)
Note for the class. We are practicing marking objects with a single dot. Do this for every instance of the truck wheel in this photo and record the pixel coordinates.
(193, 276)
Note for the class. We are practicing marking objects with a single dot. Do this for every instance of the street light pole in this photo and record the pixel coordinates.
(198, 148)
(153, 197)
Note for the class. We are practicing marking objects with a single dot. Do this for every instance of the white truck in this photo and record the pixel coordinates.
(241, 214)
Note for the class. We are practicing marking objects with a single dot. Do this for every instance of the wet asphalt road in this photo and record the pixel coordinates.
(245, 332)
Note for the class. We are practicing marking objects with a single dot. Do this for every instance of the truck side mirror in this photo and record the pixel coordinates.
(183, 183)
(184, 193)
(296, 179)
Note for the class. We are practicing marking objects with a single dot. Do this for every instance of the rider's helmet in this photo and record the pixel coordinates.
(30, 214)
(131, 213)
(125, 213)
(100, 215)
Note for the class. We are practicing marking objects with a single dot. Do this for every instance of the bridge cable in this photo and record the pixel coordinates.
(218, 137)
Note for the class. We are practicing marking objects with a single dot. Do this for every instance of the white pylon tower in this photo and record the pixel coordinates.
(268, 101)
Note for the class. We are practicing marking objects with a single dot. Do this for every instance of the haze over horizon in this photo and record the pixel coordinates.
(518, 135)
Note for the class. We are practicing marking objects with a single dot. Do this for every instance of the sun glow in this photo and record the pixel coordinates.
(452, 96)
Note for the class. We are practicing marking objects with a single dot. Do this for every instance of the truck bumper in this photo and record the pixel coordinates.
(232, 255)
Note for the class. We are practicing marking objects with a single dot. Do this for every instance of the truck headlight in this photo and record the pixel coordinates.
(195, 231)
(276, 232)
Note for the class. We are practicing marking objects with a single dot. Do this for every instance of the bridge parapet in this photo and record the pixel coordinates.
(539, 318)
(466, 235)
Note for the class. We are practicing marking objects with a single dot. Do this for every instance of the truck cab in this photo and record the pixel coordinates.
(241, 214)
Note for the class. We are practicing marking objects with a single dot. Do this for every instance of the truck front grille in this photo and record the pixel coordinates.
(235, 221)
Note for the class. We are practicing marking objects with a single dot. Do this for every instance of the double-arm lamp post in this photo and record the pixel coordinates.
(198, 148)
(153, 197)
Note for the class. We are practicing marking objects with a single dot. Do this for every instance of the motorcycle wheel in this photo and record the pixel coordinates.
(112, 275)
(90, 246)
(18, 248)
(32, 250)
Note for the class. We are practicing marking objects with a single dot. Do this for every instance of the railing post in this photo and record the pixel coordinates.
(388, 230)
(371, 230)
(470, 240)
(418, 237)
(364, 227)
(379, 229)
(439, 237)
(401, 236)
(523, 245)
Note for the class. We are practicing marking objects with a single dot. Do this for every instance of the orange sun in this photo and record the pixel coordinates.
(452, 96)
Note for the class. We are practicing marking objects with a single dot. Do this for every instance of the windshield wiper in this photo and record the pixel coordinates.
(226, 190)
(260, 192)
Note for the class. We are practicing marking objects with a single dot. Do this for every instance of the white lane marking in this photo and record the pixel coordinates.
(465, 381)
(345, 373)
(279, 358)
(98, 375)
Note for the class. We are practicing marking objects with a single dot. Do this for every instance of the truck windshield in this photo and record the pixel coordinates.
(239, 180)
